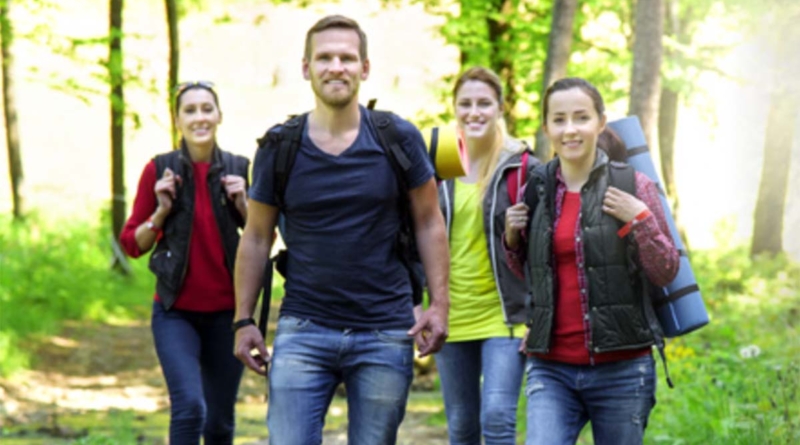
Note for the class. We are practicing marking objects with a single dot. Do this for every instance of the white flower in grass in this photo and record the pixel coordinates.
(750, 351)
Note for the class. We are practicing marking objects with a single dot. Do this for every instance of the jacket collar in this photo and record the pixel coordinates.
(216, 157)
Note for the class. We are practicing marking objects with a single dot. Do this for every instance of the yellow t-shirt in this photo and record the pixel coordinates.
(476, 311)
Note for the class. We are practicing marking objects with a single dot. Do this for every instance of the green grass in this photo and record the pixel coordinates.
(56, 271)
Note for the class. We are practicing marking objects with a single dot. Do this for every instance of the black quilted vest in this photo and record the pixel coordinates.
(620, 313)
(169, 259)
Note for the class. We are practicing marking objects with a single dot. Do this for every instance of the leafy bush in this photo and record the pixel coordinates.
(50, 272)
(738, 379)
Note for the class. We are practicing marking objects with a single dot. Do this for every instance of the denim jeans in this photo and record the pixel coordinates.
(616, 397)
(196, 354)
(308, 363)
(473, 409)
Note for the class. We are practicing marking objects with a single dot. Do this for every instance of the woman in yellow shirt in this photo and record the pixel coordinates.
(480, 366)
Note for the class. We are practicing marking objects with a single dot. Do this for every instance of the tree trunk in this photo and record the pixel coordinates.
(667, 123)
(646, 76)
(174, 64)
(117, 99)
(555, 66)
(10, 110)
(502, 61)
(768, 223)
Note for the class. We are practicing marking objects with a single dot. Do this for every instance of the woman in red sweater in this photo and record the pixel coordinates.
(190, 204)
(592, 253)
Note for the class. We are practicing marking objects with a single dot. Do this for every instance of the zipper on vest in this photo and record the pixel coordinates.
(190, 177)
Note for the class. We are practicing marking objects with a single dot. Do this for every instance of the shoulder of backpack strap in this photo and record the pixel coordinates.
(390, 139)
(286, 139)
(622, 176)
(285, 129)
(165, 160)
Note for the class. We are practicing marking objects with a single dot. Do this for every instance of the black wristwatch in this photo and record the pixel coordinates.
(242, 323)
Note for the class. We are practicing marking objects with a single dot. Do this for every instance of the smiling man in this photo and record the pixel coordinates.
(347, 311)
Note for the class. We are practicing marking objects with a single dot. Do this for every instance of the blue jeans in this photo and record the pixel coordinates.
(473, 410)
(308, 363)
(202, 374)
(616, 397)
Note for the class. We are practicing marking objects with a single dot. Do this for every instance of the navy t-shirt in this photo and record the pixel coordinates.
(340, 224)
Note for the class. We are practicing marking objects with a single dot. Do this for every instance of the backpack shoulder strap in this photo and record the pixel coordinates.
(286, 140)
(515, 180)
(165, 160)
(389, 139)
(622, 176)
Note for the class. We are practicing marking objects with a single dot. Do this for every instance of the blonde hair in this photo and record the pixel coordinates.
(502, 140)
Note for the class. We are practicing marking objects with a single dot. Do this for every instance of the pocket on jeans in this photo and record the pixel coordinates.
(394, 337)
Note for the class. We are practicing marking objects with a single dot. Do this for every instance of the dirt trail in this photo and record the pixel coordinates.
(90, 368)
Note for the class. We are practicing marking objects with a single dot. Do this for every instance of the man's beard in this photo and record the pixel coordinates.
(334, 100)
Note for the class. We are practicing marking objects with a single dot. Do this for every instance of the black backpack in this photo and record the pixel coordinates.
(286, 138)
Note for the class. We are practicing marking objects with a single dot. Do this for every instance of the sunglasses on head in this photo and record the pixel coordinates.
(183, 86)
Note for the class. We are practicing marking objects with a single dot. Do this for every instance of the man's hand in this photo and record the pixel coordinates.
(248, 339)
(430, 331)
(522, 349)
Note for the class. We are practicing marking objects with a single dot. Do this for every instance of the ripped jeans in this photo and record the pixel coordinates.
(616, 397)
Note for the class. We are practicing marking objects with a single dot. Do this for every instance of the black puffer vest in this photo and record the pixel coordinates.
(170, 258)
(620, 313)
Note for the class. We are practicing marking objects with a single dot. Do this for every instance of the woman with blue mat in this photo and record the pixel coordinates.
(592, 253)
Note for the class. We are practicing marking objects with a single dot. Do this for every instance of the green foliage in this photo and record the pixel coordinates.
(122, 429)
(738, 379)
(511, 37)
(60, 271)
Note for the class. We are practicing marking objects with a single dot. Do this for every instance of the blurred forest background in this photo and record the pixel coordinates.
(716, 84)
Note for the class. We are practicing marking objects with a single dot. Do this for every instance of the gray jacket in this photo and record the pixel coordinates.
(511, 289)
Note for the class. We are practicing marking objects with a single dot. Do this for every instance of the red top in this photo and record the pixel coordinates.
(207, 286)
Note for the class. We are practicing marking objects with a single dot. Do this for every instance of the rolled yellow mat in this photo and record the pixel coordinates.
(447, 151)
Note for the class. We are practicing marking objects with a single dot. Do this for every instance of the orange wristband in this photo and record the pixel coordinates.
(626, 229)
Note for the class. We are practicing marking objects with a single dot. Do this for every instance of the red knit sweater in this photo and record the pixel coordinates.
(208, 285)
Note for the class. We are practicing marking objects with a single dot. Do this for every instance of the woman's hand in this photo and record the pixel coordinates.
(236, 189)
(165, 190)
(622, 205)
(516, 222)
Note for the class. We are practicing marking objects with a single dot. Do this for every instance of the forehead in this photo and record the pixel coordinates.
(570, 101)
(196, 96)
(335, 40)
(475, 89)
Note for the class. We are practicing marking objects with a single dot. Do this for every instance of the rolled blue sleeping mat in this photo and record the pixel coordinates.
(681, 309)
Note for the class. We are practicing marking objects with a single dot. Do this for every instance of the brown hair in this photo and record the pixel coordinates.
(480, 74)
(182, 88)
(610, 142)
(569, 83)
(337, 22)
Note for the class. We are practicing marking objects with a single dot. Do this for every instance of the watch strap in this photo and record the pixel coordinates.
(242, 323)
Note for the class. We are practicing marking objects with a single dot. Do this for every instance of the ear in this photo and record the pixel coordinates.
(220, 118)
(365, 71)
(305, 68)
(603, 121)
